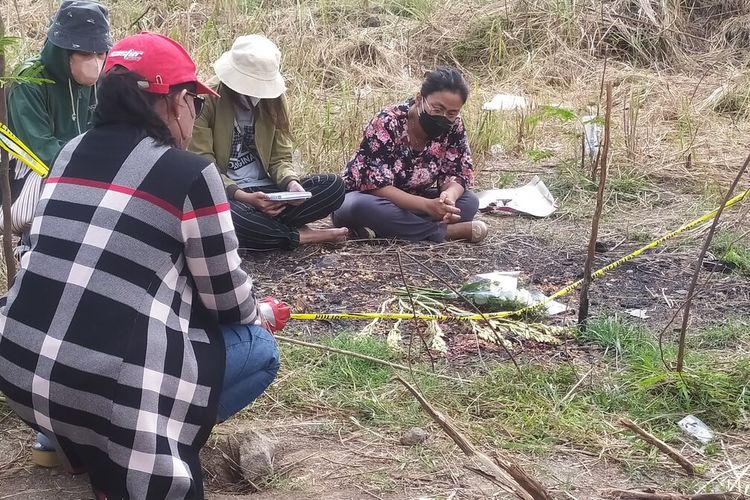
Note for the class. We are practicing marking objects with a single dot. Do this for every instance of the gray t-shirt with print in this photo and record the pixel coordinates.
(245, 167)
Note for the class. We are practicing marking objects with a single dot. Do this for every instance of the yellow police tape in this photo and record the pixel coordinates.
(532, 307)
(14, 146)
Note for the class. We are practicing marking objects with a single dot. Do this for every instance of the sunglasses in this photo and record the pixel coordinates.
(198, 102)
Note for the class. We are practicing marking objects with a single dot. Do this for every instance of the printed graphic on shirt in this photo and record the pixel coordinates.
(245, 169)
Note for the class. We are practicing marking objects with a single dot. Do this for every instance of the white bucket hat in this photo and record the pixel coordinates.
(251, 67)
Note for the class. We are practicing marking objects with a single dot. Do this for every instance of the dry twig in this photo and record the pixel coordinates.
(661, 445)
(473, 307)
(417, 324)
(10, 260)
(699, 265)
(598, 114)
(652, 495)
(508, 474)
(353, 354)
(583, 308)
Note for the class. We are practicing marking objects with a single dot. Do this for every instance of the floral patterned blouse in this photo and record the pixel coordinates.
(385, 158)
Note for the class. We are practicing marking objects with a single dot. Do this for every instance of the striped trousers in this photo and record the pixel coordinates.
(257, 231)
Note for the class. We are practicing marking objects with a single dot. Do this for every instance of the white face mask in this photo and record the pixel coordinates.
(86, 67)
(247, 102)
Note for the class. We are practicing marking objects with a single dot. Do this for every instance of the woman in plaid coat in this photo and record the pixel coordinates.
(112, 338)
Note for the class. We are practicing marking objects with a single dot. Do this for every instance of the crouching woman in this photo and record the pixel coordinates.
(131, 328)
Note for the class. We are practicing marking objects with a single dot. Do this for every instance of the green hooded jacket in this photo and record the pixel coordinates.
(47, 116)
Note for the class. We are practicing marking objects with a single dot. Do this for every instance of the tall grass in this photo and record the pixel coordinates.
(718, 394)
(346, 59)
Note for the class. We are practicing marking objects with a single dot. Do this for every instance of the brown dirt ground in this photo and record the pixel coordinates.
(334, 459)
(359, 276)
(549, 252)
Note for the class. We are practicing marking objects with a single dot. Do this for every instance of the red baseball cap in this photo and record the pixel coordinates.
(159, 59)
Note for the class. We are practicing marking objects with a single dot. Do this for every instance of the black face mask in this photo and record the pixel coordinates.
(434, 126)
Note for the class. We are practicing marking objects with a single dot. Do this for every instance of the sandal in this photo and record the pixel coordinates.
(43, 452)
(479, 231)
(362, 233)
(48, 459)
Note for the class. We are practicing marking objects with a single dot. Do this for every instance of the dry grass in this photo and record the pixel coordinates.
(344, 60)
(680, 89)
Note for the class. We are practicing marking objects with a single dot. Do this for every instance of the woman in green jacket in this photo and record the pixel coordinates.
(246, 134)
(46, 116)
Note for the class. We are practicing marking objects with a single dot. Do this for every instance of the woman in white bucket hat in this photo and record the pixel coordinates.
(246, 134)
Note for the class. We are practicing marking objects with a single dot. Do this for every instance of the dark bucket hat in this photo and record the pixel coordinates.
(81, 25)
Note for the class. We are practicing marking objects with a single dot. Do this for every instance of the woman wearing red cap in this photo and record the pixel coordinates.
(131, 328)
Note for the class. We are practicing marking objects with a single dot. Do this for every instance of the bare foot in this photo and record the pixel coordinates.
(334, 235)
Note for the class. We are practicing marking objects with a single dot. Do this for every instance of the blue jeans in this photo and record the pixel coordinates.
(251, 365)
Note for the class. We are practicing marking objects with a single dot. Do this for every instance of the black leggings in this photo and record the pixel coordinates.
(257, 231)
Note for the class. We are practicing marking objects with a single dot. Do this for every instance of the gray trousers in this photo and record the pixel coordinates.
(362, 210)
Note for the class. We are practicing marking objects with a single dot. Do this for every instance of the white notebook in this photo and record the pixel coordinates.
(290, 196)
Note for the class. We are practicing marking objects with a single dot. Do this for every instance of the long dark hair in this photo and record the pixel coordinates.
(445, 78)
(276, 109)
(122, 101)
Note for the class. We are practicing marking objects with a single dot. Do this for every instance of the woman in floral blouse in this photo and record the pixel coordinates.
(411, 176)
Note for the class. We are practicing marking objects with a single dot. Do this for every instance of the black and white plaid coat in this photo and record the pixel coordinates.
(109, 337)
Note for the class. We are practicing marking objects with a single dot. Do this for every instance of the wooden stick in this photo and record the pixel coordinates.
(661, 445)
(419, 326)
(699, 265)
(509, 474)
(10, 259)
(353, 354)
(598, 114)
(138, 20)
(583, 307)
(645, 495)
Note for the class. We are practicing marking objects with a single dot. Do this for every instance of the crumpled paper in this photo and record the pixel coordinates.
(533, 199)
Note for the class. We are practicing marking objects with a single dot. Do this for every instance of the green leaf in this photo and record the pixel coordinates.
(28, 69)
(476, 286)
(543, 113)
(26, 73)
(7, 41)
(24, 79)
(539, 154)
(557, 112)
(596, 121)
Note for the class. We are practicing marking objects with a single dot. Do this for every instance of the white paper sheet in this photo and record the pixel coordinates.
(534, 199)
